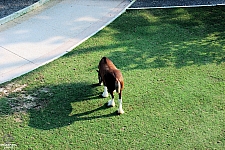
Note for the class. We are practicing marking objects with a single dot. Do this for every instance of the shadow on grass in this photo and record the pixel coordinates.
(159, 38)
(70, 103)
(179, 37)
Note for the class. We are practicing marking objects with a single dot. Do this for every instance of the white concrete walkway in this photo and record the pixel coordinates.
(50, 31)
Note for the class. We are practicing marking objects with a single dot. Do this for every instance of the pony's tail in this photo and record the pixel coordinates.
(117, 86)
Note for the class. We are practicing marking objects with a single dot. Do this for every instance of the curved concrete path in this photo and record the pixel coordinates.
(50, 31)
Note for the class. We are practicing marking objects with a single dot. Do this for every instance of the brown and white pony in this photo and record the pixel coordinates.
(112, 80)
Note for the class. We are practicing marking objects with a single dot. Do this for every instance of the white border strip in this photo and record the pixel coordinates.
(188, 6)
(22, 11)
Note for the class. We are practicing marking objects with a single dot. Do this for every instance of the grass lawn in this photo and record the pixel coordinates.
(173, 62)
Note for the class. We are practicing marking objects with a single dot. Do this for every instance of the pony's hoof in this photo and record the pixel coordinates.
(120, 111)
(111, 103)
(105, 94)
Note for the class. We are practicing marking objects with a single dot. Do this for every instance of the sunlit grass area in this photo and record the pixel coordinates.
(173, 62)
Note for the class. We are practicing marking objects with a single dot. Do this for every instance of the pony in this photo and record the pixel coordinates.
(112, 79)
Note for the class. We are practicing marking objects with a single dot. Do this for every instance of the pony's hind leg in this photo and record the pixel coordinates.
(120, 110)
(111, 102)
(105, 93)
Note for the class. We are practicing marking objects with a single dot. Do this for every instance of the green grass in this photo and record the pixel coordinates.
(173, 62)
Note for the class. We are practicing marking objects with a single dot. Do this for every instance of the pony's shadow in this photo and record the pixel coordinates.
(57, 112)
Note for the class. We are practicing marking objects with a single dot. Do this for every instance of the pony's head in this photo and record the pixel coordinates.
(99, 78)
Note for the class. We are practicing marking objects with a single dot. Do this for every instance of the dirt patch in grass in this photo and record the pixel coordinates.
(18, 100)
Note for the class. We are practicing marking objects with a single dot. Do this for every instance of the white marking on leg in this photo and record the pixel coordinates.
(111, 103)
(120, 110)
(105, 93)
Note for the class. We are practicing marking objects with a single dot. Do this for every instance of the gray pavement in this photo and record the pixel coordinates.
(51, 31)
(8, 7)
